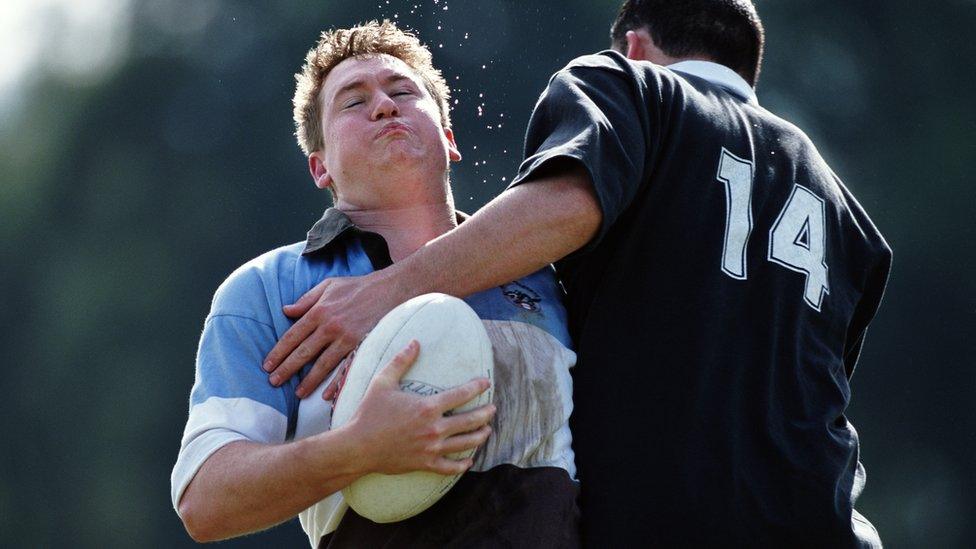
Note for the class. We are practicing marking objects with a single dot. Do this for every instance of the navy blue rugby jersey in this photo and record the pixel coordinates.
(718, 313)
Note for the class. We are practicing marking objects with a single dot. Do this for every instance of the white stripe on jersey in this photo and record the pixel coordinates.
(216, 422)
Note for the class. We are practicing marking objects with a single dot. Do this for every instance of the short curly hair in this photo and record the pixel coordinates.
(364, 40)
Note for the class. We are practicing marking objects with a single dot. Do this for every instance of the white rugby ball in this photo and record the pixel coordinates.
(454, 349)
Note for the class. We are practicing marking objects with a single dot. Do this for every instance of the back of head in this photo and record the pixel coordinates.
(726, 31)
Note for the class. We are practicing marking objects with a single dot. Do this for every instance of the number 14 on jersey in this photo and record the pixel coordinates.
(797, 239)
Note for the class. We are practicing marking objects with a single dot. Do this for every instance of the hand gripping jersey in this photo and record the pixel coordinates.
(522, 485)
(718, 313)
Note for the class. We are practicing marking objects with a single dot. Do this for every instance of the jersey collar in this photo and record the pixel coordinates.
(720, 75)
(326, 230)
(335, 224)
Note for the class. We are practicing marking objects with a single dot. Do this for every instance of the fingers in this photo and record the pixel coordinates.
(320, 370)
(466, 441)
(469, 421)
(288, 343)
(396, 368)
(332, 390)
(305, 302)
(448, 400)
(448, 466)
(303, 353)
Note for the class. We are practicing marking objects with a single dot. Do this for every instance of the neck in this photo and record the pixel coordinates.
(405, 228)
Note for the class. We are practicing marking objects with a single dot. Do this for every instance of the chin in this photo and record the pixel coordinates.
(402, 152)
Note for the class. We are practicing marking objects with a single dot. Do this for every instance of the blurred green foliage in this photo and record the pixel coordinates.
(125, 200)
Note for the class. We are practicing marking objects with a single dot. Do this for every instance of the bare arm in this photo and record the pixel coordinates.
(518, 233)
(521, 231)
(246, 486)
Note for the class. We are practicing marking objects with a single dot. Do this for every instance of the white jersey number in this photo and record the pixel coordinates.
(736, 174)
(797, 240)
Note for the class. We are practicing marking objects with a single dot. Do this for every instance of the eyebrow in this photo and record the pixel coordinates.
(359, 83)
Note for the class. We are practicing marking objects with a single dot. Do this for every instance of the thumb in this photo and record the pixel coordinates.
(305, 302)
(397, 367)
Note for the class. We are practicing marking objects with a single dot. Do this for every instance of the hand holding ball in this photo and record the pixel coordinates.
(454, 349)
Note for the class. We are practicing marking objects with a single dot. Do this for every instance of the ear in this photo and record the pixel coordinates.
(452, 149)
(320, 174)
(635, 46)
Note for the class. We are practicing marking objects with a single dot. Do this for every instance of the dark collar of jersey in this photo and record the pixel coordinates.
(335, 226)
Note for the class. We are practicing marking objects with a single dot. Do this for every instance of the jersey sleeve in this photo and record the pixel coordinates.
(875, 276)
(231, 398)
(599, 111)
(867, 307)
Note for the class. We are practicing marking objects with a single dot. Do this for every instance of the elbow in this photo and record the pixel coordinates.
(198, 523)
(590, 215)
(581, 206)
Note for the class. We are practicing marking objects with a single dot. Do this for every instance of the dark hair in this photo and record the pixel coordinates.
(726, 31)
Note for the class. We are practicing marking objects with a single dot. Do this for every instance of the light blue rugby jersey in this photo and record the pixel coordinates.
(232, 399)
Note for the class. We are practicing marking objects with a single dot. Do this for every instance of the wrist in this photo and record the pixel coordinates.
(400, 282)
(339, 453)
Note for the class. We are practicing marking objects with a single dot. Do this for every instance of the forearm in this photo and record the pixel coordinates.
(521, 231)
(247, 486)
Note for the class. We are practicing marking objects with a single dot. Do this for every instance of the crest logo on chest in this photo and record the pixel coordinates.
(522, 296)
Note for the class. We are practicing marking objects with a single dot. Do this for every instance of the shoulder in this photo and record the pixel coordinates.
(246, 291)
(810, 167)
(611, 67)
(782, 130)
(621, 88)
(608, 61)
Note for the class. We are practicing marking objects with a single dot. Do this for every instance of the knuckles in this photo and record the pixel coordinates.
(427, 408)
(434, 431)
(331, 326)
(317, 312)
(303, 353)
(346, 341)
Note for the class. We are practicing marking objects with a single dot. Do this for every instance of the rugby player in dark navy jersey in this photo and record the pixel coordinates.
(720, 279)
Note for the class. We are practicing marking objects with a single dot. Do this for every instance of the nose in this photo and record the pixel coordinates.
(385, 107)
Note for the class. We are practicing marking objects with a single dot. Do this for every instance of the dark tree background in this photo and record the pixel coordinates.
(133, 181)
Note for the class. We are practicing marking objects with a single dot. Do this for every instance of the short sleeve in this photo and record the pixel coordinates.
(596, 111)
(867, 307)
(231, 398)
(877, 257)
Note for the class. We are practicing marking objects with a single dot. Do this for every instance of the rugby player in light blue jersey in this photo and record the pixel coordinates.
(372, 116)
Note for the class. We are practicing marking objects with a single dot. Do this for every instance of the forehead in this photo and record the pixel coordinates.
(379, 68)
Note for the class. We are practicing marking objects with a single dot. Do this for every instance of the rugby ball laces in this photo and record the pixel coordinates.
(454, 349)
